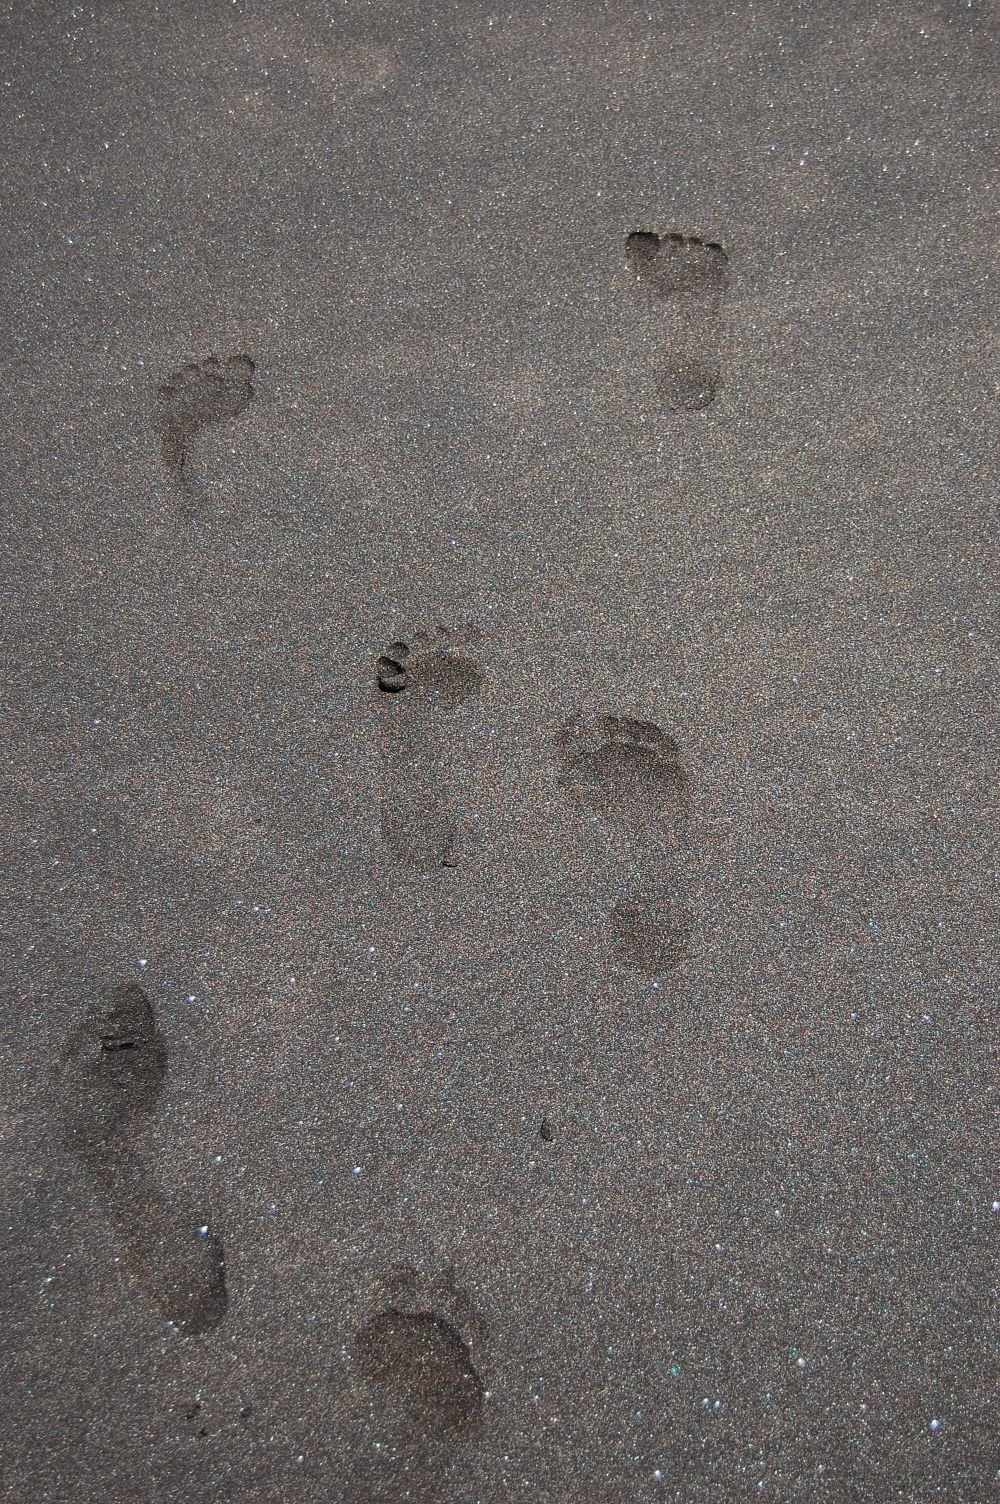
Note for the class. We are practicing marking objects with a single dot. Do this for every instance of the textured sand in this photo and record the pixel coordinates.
(585, 1117)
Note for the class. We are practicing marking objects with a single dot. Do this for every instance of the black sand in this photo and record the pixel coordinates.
(500, 766)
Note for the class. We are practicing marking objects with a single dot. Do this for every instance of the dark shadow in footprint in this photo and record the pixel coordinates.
(113, 1073)
(423, 681)
(686, 278)
(195, 396)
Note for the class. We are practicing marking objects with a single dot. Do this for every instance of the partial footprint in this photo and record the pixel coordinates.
(114, 1070)
(416, 1356)
(629, 772)
(422, 682)
(195, 396)
(685, 279)
(650, 934)
(624, 768)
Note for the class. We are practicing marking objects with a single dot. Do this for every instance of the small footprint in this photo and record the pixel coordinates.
(629, 772)
(687, 279)
(414, 1356)
(113, 1073)
(195, 396)
(423, 682)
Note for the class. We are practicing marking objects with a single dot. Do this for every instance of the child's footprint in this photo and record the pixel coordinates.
(113, 1072)
(416, 1356)
(422, 682)
(194, 396)
(628, 771)
(686, 279)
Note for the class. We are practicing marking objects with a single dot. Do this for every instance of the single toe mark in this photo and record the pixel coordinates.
(390, 670)
(422, 1363)
(650, 934)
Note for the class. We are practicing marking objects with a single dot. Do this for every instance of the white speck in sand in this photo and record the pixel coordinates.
(142, 963)
(203, 1231)
(935, 1424)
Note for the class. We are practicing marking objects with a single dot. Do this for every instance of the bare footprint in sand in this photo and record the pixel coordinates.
(422, 682)
(416, 1355)
(193, 397)
(629, 772)
(683, 280)
(113, 1073)
(417, 1387)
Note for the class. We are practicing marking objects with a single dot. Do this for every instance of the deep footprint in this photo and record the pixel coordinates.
(688, 276)
(114, 1071)
(422, 682)
(195, 396)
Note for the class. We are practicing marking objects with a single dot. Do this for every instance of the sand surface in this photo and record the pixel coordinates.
(500, 759)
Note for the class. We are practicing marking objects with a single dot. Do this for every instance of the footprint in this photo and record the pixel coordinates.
(629, 772)
(422, 682)
(686, 278)
(432, 669)
(650, 934)
(414, 1357)
(193, 397)
(625, 769)
(113, 1073)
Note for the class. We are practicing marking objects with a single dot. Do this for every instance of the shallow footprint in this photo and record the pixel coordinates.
(195, 396)
(690, 277)
(113, 1073)
(422, 681)
(414, 1356)
(650, 934)
(625, 769)
(120, 1067)
(629, 772)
